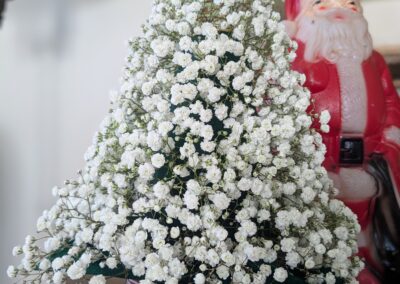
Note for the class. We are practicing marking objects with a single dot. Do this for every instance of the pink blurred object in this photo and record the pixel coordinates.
(132, 282)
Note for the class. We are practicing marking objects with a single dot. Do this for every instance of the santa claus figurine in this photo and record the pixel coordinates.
(352, 81)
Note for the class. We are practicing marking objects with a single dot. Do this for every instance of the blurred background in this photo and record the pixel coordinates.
(58, 61)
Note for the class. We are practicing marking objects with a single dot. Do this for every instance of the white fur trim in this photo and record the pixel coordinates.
(354, 184)
(353, 93)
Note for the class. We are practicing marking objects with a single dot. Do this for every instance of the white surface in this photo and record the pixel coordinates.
(58, 61)
(383, 17)
(392, 134)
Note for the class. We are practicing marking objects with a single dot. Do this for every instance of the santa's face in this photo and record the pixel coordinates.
(332, 29)
(313, 8)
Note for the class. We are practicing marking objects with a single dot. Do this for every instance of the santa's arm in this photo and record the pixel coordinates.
(392, 131)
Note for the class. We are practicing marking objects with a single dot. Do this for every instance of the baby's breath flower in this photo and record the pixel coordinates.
(206, 149)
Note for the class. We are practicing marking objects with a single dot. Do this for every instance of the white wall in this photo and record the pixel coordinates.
(58, 61)
(383, 17)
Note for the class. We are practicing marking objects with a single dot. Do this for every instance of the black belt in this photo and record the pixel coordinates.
(351, 151)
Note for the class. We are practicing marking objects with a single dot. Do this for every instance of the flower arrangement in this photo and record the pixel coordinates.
(206, 169)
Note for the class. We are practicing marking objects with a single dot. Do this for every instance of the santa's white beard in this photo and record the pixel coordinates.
(331, 39)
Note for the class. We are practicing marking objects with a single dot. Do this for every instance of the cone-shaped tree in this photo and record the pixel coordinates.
(206, 170)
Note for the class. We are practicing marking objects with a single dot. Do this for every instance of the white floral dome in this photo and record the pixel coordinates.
(206, 169)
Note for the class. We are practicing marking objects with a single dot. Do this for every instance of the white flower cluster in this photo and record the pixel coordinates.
(206, 169)
(324, 119)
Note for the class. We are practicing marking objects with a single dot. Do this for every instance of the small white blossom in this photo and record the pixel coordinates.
(191, 200)
(52, 244)
(99, 279)
(223, 272)
(325, 117)
(288, 244)
(308, 194)
(341, 233)
(221, 201)
(58, 277)
(199, 278)
(58, 263)
(280, 274)
(209, 30)
(175, 232)
(17, 251)
(11, 271)
(309, 264)
(76, 271)
(146, 171)
(111, 262)
(162, 47)
(213, 174)
(158, 160)
(214, 94)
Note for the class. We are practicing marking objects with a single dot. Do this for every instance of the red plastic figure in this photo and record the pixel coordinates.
(352, 81)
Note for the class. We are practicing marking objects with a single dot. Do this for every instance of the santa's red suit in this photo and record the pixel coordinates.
(383, 113)
(383, 109)
(381, 134)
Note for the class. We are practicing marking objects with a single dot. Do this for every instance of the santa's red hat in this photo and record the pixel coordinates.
(292, 8)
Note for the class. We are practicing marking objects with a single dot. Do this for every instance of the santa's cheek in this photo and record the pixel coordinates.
(319, 9)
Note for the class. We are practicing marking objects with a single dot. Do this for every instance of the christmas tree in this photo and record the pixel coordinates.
(206, 169)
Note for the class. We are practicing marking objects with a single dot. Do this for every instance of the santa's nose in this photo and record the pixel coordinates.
(331, 4)
(336, 4)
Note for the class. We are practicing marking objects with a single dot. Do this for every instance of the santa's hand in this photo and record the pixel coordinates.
(392, 134)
